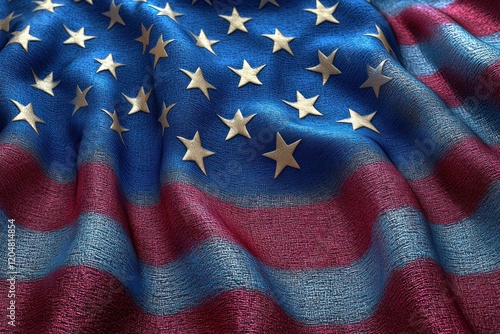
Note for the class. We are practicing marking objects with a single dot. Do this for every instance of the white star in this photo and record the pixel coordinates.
(5, 23)
(248, 74)
(116, 126)
(163, 117)
(264, 2)
(46, 5)
(236, 22)
(325, 66)
(77, 37)
(202, 41)
(144, 38)
(359, 121)
(108, 64)
(80, 99)
(195, 152)
(323, 14)
(198, 81)
(159, 50)
(26, 113)
(237, 125)
(139, 103)
(283, 155)
(381, 37)
(167, 11)
(375, 78)
(87, 1)
(114, 14)
(281, 42)
(207, 1)
(23, 37)
(46, 85)
(305, 106)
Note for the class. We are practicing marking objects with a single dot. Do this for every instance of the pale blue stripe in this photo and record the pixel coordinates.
(338, 295)
(472, 244)
(394, 7)
(415, 60)
(482, 117)
(451, 45)
(493, 40)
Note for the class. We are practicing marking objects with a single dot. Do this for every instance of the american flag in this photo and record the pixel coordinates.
(250, 166)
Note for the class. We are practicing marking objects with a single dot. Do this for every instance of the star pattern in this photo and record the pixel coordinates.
(139, 103)
(47, 5)
(237, 125)
(27, 114)
(202, 41)
(80, 99)
(198, 81)
(281, 42)
(375, 78)
(5, 23)
(323, 14)
(381, 37)
(77, 37)
(308, 204)
(163, 117)
(248, 74)
(114, 14)
(116, 126)
(325, 66)
(23, 38)
(195, 152)
(283, 155)
(46, 85)
(159, 50)
(305, 106)
(167, 11)
(236, 22)
(144, 38)
(108, 64)
(359, 121)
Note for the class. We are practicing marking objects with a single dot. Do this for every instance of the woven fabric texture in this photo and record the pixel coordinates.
(260, 166)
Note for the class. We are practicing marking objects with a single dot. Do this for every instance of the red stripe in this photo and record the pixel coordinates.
(487, 85)
(460, 181)
(38, 202)
(480, 18)
(417, 23)
(319, 235)
(455, 89)
(420, 22)
(442, 87)
(468, 288)
(418, 299)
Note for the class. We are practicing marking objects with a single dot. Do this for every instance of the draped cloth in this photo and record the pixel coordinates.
(252, 166)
